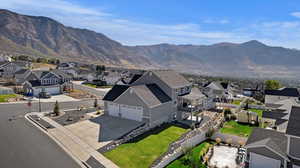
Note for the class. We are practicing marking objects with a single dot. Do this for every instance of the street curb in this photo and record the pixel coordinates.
(37, 123)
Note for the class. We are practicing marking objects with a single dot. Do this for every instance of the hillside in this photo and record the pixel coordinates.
(42, 36)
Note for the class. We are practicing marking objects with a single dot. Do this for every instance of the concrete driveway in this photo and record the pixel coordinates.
(101, 130)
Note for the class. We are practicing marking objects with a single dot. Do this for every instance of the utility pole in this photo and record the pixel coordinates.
(40, 109)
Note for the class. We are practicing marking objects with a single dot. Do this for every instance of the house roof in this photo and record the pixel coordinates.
(40, 73)
(158, 93)
(194, 94)
(115, 92)
(291, 92)
(293, 127)
(171, 78)
(61, 73)
(294, 147)
(22, 71)
(274, 114)
(214, 86)
(135, 78)
(272, 139)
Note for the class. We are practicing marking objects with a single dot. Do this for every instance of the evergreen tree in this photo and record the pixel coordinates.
(56, 109)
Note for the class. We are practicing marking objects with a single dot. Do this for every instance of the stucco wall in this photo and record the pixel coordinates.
(161, 113)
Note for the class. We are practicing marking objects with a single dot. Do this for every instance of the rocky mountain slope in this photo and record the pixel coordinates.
(42, 36)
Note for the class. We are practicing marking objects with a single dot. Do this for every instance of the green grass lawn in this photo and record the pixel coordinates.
(258, 111)
(142, 153)
(90, 85)
(95, 86)
(234, 128)
(196, 153)
(237, 102)
(4, 98)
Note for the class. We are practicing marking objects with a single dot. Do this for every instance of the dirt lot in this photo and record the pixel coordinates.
(80, 94)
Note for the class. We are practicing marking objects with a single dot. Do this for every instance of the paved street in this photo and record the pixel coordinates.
(24, 145)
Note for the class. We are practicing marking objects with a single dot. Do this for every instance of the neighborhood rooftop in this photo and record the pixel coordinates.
(171, 78)
(293, 127)
(293, 92)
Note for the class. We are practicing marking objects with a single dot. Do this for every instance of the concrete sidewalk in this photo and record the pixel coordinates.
(74, 145)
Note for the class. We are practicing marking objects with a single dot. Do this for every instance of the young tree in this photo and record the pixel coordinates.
(272, 84)
(56, 109)
(96, 103)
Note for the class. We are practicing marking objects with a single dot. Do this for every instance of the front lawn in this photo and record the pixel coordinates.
(95, 86)
(237, 102)
(258, 111)
(6, 97)
(142, 153)
(234, 128)
(197, 152)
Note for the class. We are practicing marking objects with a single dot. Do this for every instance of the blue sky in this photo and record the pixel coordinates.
(144, 22)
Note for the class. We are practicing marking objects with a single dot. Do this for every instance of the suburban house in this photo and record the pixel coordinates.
(270, 148)
(152, 98)
(196, 101)
(53, 82)
(247, 117)
(272, 96)
(219, 90)
(8, 69)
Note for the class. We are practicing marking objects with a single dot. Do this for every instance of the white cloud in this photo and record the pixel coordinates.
(216, 21)
(296, 14)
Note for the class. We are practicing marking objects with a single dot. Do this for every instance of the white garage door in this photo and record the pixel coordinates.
(53, 90)
(113, 109)
(131, 112)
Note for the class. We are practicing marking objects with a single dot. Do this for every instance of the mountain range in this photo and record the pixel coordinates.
(42, 36)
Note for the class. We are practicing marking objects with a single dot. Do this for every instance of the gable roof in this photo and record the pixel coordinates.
(194, 94)
(293, 127)
(214, 86)
(291, 92)
(274, 114)
(115, 92)
(271, 139)
(61, 73)
(158, 93)
(171, 78)
(134, 78)
(22, 71)
(40, 73)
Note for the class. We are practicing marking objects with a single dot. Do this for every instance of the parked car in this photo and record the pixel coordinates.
(44, 95)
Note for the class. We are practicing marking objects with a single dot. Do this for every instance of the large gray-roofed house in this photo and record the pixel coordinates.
(152, 98)
(144, 103)
(273, 96)
(293, 127)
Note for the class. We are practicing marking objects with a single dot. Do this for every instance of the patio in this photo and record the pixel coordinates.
(224, 156)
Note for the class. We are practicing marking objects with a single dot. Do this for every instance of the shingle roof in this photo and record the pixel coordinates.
(195, 94)
(158, 92)
(292, 92)
(115, 92)
(135, 78)
(171, 78)
(294, 150)
(214, 86)
(293, 127)
(22, 71)
(269, 138)
(40, 73)
(61, 73)
(274, 114)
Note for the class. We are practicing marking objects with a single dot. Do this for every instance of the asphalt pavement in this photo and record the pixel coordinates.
(24, 145)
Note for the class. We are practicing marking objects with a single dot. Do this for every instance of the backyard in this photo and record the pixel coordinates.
(234, 128)
(196, 153)
(143, 152)
(6, 97)
(258, 111)
(237, 102)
